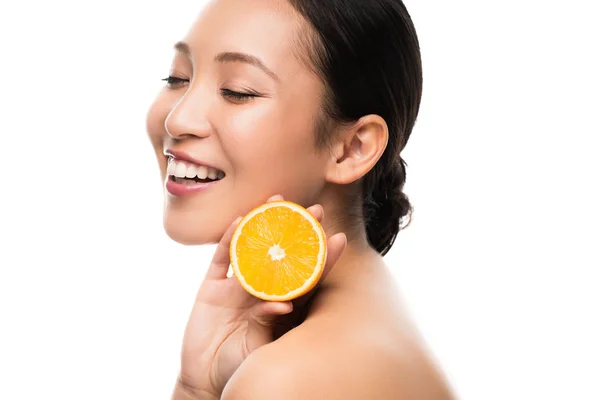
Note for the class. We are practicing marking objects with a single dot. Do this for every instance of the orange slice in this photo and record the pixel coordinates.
(278, 251)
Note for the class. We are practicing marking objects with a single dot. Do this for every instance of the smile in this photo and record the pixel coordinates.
(185, 178)
(185, 172)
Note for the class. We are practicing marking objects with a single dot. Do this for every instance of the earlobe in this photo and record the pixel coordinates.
(358, 149)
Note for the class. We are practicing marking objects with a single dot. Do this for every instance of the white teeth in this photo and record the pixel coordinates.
(171, 167)
(180, 170)
(202, 172)
(191, 172)
(212, 173)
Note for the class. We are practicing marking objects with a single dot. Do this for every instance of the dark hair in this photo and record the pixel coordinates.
(367, 53)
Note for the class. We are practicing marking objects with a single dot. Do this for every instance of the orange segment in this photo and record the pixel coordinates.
(278, 251)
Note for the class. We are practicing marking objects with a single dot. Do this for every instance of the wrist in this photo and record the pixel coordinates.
(184, 392)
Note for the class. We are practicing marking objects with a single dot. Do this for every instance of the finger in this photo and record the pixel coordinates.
(266, 312)
(335, 247)
(220, 262)
(317, 212)
(277, 197)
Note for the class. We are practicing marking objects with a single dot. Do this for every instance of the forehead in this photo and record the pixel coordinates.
(267, 29)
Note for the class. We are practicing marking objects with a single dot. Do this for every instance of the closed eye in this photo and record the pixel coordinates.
(233, 95)
(238, 96)
(173, 80)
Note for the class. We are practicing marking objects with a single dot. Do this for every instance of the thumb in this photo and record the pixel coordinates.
(266, 312)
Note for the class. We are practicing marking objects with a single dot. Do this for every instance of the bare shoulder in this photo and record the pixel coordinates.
(352, 353)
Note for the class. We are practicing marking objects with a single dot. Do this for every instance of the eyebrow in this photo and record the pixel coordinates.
(182, 47)
(228, 57)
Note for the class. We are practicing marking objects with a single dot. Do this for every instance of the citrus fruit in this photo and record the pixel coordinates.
(278, 251)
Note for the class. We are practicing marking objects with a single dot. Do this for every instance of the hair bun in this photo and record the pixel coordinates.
(386, 207)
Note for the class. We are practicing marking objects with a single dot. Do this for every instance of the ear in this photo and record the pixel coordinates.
(357, 149)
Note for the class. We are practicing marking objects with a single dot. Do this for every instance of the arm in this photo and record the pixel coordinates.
(227, 323)
(185, 393)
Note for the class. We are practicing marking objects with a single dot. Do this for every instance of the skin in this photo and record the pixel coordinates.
(354, 339)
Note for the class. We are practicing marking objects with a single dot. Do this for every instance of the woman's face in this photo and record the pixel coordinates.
(247, 107)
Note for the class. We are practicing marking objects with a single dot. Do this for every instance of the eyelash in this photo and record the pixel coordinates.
(173, 80)
(237, 95)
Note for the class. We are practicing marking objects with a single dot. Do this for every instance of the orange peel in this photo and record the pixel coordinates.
(278, 251)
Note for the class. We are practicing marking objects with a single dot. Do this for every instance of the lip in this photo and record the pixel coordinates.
(180, 190)
(180, 155)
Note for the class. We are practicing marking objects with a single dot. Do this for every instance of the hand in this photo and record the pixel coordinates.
(227, 323)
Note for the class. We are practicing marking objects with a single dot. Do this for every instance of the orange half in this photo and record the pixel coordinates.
(278, 251)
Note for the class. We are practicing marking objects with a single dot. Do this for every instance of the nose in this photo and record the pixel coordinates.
(189, 117)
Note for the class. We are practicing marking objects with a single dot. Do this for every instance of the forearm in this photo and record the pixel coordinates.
(184, 393)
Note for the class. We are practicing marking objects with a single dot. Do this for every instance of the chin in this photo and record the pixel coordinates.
(191, 230)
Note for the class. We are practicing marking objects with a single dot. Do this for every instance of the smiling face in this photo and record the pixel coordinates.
(244, 103)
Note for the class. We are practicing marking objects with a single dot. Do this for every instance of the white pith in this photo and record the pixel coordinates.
(276, 250)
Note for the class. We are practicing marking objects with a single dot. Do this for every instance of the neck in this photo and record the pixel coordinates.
(343, 214)
(346, 217)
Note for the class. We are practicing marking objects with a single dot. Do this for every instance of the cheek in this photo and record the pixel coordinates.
(271, 157)
(261, 141)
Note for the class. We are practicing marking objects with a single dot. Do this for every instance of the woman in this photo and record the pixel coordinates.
(311, 101)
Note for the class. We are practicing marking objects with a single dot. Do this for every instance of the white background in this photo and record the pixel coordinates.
(499, 267)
